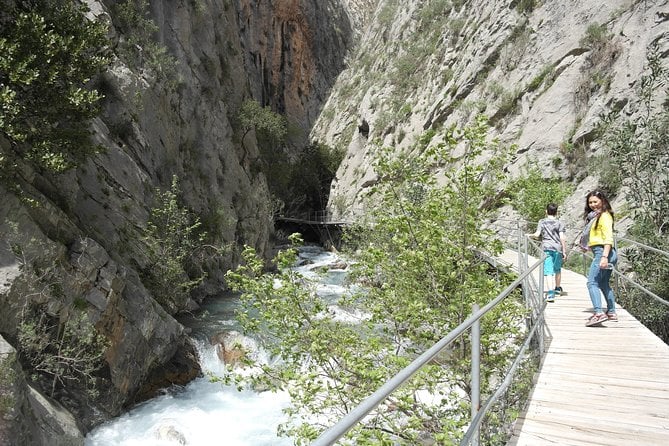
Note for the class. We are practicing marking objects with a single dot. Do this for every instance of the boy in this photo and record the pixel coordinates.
(553, 242)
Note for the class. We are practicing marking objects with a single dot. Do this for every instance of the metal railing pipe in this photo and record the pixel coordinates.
(366, 406)
(645, 290)
(475, 425)
(650, 248)
(476, 371)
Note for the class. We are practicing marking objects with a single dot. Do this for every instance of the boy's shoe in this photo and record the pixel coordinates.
(550, 296)
(612, 317)
(558, 290)
(596, 319)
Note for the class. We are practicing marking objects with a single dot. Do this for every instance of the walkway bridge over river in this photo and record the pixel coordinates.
(316, 227)
(604, 385)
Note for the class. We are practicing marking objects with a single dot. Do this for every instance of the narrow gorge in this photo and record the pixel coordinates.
(84, 264)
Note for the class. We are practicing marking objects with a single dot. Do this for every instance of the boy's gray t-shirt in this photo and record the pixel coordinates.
(551, 228)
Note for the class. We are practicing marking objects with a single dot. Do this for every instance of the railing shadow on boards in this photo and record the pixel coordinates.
(534, 339)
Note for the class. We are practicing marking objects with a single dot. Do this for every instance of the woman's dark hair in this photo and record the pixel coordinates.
(606, 206)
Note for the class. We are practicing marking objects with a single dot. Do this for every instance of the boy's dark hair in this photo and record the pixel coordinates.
(551, 209)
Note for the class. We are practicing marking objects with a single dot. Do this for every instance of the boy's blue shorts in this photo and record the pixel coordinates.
(553, 263)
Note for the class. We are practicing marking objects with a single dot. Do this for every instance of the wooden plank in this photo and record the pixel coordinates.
(605, 385)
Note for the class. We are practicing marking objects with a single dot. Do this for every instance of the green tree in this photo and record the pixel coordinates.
(532, 191)
(173, 240)
(420, 264)
(56, 339)
(300, 181)
(310, 178)
(138, 45)
(49, 52)
(270, 127)
(637, 158)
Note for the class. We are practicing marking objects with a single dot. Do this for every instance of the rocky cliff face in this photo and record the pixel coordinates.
(544, 72)
(74, 243)
(294, 51)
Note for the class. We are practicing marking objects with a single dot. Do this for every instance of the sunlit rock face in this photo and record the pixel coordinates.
(544, 72)
(348, 73)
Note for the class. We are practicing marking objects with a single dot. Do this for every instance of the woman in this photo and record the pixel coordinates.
(599, 233)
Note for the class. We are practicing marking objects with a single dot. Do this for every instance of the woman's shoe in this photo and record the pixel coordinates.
(596, 319)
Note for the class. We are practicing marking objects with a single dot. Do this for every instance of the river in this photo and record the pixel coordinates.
(205, 413)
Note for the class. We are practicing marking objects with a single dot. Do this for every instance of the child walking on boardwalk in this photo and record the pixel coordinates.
(553, 242)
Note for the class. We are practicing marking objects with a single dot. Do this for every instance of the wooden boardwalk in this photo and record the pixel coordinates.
(606, 385)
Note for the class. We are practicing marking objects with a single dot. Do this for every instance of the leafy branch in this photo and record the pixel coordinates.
(68, 352)
(49, 52)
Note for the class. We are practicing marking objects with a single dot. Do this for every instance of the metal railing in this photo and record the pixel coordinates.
(535, 326)
(618, 276)
(533, 295)
(633, 283)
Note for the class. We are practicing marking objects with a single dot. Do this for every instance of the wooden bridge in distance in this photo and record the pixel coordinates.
(605, 385)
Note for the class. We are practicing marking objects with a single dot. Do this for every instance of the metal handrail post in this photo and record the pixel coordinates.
(522, 249)
(519, 245)
(541, 282)
(476, 372)
(614, 273)
(335, 432)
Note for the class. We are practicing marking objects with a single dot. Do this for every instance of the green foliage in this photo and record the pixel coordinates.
(531, 192)
(637, 158)
(57, 342)
(398, 110)
(638, 151)
(386, 16)
(173, 240)
(311, 177)
(576, 154)
(597, 76)
(652, 271)
(49, 52)
(269, 126)
(301, 182)
(515, 46)
(508, 104)
(138, 45)
(434, 9)
(68, 351)
(7, 384)
(596, 35)
(547, 74)
(526, 6)
(409, 65)
(419, 266)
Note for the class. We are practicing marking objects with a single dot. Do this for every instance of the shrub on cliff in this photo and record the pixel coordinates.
(49, 52)
(173, 239)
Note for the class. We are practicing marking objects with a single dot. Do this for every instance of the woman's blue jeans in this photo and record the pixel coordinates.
(598, 281)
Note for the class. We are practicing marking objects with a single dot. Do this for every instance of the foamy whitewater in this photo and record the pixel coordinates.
(205, 413)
